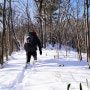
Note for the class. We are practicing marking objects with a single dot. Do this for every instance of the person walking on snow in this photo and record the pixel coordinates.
(30, 46)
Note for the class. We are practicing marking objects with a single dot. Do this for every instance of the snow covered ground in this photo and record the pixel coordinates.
(47, 73)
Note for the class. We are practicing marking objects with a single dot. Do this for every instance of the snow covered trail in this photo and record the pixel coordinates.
(41, 76)
(46, 73)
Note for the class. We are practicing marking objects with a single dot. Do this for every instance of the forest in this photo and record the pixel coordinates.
(62, 22)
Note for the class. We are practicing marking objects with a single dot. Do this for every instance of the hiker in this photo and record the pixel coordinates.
(30, 46)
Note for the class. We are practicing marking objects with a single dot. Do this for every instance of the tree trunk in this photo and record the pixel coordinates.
(87, 35)
(41, 32)
(45, 33)
(3, 33)
(77, 32)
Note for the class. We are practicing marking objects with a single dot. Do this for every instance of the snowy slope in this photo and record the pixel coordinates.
(46, 73)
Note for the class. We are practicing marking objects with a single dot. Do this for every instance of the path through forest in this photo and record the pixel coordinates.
(46, 73)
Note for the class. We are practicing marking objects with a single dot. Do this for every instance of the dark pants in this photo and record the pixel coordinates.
(29, 54)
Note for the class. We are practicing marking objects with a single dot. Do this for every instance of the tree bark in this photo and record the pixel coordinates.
(3, 33)
(87, 34)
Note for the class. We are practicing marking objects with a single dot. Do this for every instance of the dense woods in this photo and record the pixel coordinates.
(62, 22)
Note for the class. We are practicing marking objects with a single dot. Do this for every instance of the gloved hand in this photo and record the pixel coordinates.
(40, 52)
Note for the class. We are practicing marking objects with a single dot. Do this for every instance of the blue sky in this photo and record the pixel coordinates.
(1, 1)
(72, 1)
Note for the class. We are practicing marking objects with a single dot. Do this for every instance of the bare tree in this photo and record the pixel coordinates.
(39, 6)
(3, 33)
(87, 32)
(77, 32)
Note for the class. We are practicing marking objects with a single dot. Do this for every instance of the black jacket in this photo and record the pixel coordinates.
(35, 44)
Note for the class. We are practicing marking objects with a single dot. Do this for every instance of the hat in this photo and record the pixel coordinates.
(34, 32)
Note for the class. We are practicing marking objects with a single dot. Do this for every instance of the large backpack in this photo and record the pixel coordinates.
(30, 43)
